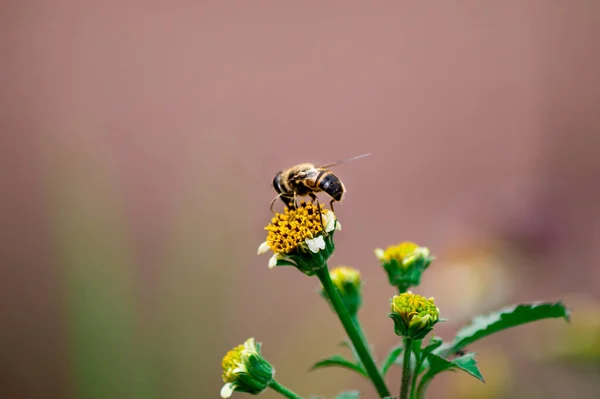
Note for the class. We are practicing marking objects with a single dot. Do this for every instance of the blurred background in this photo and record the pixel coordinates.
(138, 142)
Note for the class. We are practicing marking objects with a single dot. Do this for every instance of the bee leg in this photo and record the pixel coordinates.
(331, 205)
(314, 197)
(273, 203)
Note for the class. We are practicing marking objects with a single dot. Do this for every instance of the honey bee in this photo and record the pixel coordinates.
(307, 179)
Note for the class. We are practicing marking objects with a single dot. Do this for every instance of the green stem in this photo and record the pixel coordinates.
(402, 288)
(404, 387)
(423, 386)
(277, 387)
(418, 362)
(353, 332)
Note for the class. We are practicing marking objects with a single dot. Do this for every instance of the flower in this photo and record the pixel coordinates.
(414, 316)
(347, 281)
(245, 370)
(301, 237)
(404, 263)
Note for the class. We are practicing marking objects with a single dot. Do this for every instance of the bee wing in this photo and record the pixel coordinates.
(329, 165)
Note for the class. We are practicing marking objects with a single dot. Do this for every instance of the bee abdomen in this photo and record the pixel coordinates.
(331, 184)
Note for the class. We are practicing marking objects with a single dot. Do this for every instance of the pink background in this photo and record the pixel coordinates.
(138, 141)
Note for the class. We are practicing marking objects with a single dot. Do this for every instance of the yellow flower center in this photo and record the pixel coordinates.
(230, 363)
(343, 275)
(289, 229)
(409, 305)
(399, 252)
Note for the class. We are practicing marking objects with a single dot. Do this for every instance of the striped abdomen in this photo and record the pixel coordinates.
(328, 182)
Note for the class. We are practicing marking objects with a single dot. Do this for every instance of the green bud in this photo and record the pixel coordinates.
(413, 315)
(404, 264)
(347, 281)
(245, 370)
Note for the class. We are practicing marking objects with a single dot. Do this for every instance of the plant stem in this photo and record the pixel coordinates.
(423, 386)
(277, 387)
(353, 332)
(402, 289)
(415, 376)
(404, 387)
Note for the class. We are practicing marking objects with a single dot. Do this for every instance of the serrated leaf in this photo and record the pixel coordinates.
(348, 395)
(339, 361)
(511, 316)
(438, 364)
(391, 358)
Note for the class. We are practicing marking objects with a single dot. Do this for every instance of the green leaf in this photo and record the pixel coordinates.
(348, 395)
(433, 347)
(438, 364)
(340, 361)
(434, 343)
(511, 316)
(469, 364)
(416, 347)
(391, 358)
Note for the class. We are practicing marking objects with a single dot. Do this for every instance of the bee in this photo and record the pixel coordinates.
(307, 179)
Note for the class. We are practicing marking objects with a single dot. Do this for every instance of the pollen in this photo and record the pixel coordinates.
(290, 229)
(230, 362)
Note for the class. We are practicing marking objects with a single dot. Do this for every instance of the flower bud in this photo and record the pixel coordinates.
(301, 237)
(347, 281)
(413, 315)
(404, 264)
(245, 370)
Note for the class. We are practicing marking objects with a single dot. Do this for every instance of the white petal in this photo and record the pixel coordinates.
(329, 221)
(338, 225)
(227, 390)
(241, 368)
(263, 248)
(424, 251)
(316, 244)
(273, 261)
(250, 345)
(379, 253)
(419, 253)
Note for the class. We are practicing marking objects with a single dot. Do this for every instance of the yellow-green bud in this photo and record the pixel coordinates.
(347, 281)
(404, 263)
(414, 316)
(245, 370)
